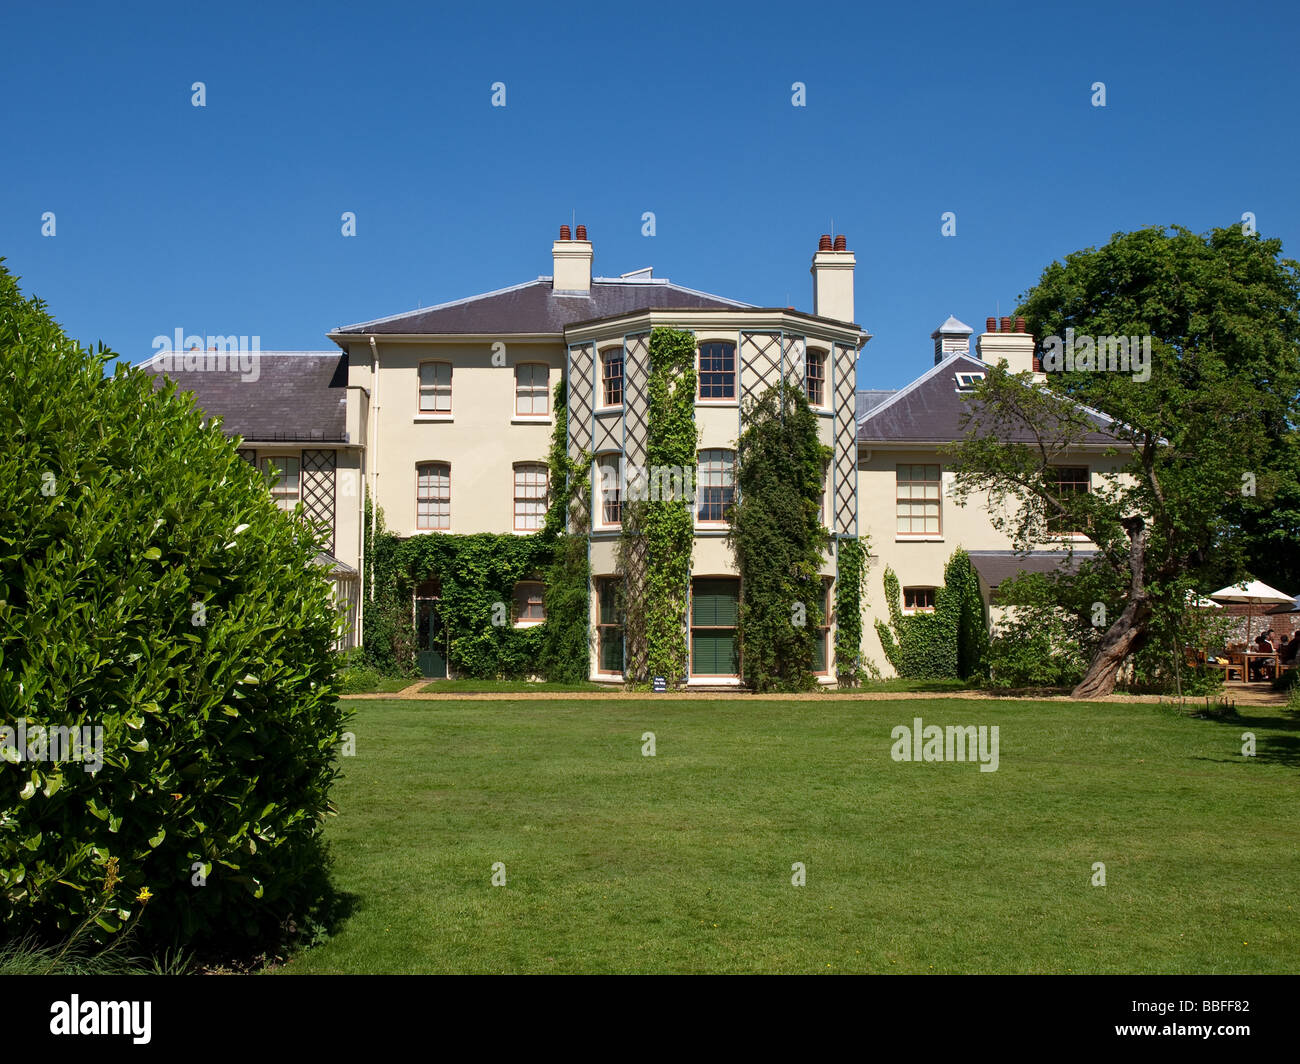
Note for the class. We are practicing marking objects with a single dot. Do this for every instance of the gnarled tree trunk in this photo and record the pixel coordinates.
(1129, 631)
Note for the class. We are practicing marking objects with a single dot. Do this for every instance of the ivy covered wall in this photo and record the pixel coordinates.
(474, 579)
(950, 643)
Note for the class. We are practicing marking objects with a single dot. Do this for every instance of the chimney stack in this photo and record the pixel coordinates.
(572, 271)
(1010, 342)
(832, 272)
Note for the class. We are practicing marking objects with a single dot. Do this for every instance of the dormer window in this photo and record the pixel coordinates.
(966, 381)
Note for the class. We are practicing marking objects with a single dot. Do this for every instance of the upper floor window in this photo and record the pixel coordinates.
(715, 486)
(611, 372)
(435, 387)
(532, 389)
(717, 371)
(530, 496)
(433, 495)
(815, 377)
(283, 476)
(609, 488)
(1067, 481)
(919, 499)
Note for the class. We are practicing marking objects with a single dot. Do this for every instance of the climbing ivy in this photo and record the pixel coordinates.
(658, 534)
(850, 586)
(566, 633)
(778, 541)
(951, 642)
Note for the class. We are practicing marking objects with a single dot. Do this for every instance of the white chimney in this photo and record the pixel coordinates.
(572, 271)
(951, 338)
(1003, 341)
(832, 272)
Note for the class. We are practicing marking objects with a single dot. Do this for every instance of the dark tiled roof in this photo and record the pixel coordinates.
(930, 409)
(296, 396)
(534, 308)
(869, 400)
(994, 566)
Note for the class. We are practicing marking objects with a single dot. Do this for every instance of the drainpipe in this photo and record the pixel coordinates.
(374, 451)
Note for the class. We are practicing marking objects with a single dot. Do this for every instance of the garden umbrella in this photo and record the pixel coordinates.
(1255, 593)
(1292, 607)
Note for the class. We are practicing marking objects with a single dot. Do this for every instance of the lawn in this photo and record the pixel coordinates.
(681, 862)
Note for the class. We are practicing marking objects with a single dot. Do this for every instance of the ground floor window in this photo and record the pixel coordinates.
(530, 606)
(609, 625)
(715, 604)
(918, 599)
(821, 660)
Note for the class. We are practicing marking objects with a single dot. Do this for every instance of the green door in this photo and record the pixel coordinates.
(431, 640)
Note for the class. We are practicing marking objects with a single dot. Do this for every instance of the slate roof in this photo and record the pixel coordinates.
(870, 399)
(296, 396)
(533, 308)
(994, 566)
(929, 410)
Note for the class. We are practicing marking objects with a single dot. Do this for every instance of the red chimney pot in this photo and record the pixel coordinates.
(1005, 324)
(990, 324)
(841, 243)
(582, 232)
(564, 233)
(825, 243)
(1020, 325)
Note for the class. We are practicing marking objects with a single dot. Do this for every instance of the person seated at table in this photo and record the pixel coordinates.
(1286, 651)
(1264, 645)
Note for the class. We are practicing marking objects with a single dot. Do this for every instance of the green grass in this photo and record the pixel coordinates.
(681, 862)
(496, 687)
(383, 685)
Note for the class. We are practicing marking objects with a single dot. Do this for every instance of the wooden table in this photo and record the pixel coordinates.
(1271, 655)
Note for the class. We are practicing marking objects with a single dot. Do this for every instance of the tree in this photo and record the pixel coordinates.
(157, 604)
(1209, 427)
(778, 540)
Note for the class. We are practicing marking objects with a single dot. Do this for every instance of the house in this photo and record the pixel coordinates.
(444, 414)
(458, 420)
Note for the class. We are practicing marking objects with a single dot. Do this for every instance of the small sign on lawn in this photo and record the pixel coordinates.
(660, 683)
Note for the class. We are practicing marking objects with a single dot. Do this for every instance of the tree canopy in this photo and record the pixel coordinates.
(1206, 442)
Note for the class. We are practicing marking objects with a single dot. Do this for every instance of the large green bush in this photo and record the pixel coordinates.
(150, 587)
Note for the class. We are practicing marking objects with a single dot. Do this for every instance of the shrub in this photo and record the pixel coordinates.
(149, 587)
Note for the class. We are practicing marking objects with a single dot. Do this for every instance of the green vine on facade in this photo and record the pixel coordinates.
(779, 543)
(658, 534)
(950, 643)
(850, 587)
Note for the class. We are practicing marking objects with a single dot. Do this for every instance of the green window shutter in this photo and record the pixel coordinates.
(714, 653)
(715, 602)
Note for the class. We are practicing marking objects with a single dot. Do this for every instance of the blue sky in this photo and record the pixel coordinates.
(226, 219)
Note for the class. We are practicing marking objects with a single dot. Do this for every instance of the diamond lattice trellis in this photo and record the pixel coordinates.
(794, 361)
(846, 440)
(760, 355)
(318, 491)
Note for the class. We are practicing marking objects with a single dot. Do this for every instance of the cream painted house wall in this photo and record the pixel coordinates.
(919, 560)
(482, 438)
